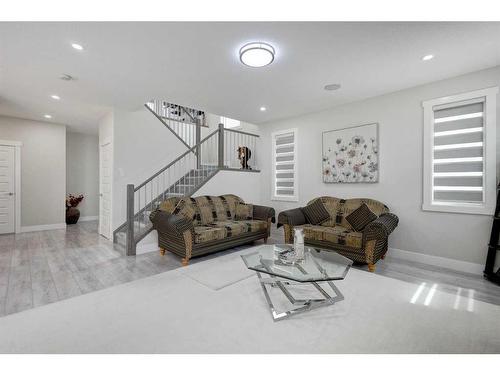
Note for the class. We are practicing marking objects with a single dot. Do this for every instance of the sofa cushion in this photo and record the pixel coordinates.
(169, 204)
(337, 235)
(185, 208)
(331, 205)
(340, 208)
(254, 225)
(213, 208)
(244, 211)
(206, 210)
(231, 201)
(220, 207)
(348, 206)
(234, 228)
(316, 212)
(360, 217)
(207, 234)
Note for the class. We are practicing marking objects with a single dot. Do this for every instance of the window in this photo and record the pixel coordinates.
(459, 153)
(285, 183)
(230, 123)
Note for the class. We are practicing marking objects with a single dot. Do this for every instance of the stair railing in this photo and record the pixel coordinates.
(238, 145)
(182, 177)
(185, 123)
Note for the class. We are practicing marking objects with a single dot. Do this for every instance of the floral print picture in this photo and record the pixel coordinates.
(351, 154)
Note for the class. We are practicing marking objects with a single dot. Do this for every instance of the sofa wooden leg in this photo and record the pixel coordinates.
(265, 239)
(185, 261)
(162, 251)
(371, 267)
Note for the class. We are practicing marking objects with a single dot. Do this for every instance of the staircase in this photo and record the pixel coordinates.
(185, 175)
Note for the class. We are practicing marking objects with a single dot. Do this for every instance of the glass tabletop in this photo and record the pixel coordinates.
(317, 265)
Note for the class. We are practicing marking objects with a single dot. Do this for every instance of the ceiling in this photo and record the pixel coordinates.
(196, 64)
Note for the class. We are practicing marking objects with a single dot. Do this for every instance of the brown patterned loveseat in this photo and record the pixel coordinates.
(365, 246)
(190, 227)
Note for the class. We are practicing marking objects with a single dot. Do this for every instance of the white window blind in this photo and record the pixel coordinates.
(459, 160)
(285, 165)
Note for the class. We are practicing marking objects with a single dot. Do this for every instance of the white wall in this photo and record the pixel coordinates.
(82, 171)
(246, 185)
(43, 169)
(106, 124)
(458, 236)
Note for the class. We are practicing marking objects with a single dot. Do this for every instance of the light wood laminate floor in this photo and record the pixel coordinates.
(38, 268)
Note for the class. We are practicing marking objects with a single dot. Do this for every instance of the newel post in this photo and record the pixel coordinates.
(198, 146)
(130, 220)
(221, 145)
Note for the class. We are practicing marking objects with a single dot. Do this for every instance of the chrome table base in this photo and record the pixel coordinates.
(303, 305)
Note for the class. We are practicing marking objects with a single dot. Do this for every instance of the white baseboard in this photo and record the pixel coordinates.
(457, 265)
(36, 228)
(88, 218)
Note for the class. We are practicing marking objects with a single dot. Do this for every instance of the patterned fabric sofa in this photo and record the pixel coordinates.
(191, 227)
(366, 246)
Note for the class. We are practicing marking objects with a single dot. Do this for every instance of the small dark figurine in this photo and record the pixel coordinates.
(244, 155)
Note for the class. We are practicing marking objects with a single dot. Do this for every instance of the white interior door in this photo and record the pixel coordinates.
(105, 191)
(7, 199)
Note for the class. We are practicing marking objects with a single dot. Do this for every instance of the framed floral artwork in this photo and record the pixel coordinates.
(351, 154)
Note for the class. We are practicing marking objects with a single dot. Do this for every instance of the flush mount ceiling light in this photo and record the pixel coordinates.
(55, 97)
(263, 109)
(77, 46)
(332, 87)
(47, 116)
(257, 54)
(427, 57)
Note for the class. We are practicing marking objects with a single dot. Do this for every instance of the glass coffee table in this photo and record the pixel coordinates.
(276, 267)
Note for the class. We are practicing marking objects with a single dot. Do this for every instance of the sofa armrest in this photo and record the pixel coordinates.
(264, 213)
(291, 217)
(381, 227)
(165, 222)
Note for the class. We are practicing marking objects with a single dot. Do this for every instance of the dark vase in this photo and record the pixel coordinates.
(72, 215)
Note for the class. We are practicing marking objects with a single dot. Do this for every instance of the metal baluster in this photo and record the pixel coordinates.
(163, 186)
(254, 142)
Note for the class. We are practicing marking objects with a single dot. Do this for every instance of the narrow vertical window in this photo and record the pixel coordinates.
(285, 186)
(459, 153)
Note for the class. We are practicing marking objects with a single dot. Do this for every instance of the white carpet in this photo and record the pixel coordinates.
(220, 272)
(207, 309)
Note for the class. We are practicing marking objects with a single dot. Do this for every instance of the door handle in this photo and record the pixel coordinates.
(9, 194)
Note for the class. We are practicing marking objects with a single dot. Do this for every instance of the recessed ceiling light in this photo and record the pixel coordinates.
(47, 116)
(67, 77)
(263, 109)
(257, 54)
(427, 57)
(55, 97)
(332, 87)
(77, 46)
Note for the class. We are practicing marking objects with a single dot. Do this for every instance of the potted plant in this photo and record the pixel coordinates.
(73, 213)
